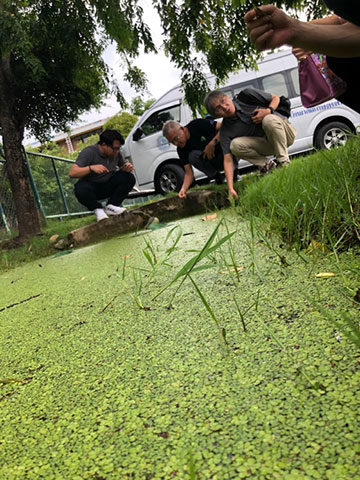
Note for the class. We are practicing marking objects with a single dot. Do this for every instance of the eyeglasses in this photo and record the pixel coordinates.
(175, 139)
(114, 148)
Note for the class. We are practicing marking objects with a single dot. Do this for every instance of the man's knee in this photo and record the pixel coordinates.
(195, 157)
(124, 178)
(276, 127)
(238, 147)
(131, 180)
(82, 189)
(272, 121)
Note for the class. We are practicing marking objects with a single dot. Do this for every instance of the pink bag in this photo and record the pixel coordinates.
(317, 82)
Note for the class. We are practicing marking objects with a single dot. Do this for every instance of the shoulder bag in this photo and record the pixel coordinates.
(318, 83)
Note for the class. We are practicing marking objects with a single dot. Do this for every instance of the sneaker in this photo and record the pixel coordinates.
(283, 164)
(100, 214)
(269, 165)
(114, 209)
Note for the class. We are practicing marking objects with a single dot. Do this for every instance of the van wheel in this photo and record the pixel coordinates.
(169, 179)
(331, 135)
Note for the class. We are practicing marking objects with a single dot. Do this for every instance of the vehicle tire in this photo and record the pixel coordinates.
(169, 179)
(331, 135)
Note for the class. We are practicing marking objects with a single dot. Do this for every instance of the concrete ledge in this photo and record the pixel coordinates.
(165, 210)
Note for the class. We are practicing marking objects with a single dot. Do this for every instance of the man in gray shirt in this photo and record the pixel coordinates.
(252, 130)
(102, 174)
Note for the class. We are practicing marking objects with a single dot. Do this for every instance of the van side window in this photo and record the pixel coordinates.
(294, 74)
(275, 84)
(156, 121)
(238, 88)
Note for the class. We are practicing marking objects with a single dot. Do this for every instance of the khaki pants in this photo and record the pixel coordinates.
(280, 134)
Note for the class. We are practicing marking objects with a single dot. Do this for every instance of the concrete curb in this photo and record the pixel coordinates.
(165, 210)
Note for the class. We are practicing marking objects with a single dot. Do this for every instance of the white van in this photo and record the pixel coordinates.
(157, 166)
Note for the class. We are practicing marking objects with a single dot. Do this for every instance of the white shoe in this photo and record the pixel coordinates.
(114, 210)
(100, 214)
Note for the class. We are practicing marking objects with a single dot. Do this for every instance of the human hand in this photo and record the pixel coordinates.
(259, 114)
(127, 167)
(300, 53)
(271, 29)
(99, 168)
(209, 151)
(232, 194)
(182, 193)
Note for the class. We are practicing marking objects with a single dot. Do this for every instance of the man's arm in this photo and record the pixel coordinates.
(188, 180)
(228, 161)
(229, 174)
(275, 29)
(209, 150)
(81, 172)
(260, 113)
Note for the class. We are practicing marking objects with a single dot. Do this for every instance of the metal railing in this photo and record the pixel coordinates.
(52, 187)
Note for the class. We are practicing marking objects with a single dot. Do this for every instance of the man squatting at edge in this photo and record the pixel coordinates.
(251, 133)
(198, 145)
(103, 174)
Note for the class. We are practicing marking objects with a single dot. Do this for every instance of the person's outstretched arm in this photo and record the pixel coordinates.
(188, 180)
(276, 28)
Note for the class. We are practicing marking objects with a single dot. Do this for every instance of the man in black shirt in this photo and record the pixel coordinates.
(198, 145)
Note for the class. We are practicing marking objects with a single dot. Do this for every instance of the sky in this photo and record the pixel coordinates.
(161, 74)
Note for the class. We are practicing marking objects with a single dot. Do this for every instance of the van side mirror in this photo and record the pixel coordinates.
(137, 134)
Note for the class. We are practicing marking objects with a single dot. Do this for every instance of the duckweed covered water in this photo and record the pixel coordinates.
(150, 393)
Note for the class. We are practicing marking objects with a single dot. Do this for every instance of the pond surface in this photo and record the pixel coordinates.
(99, 380)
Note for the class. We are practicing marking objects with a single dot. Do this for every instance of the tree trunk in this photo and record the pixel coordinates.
(12, 133)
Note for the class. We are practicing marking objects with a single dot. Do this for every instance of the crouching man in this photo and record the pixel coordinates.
(198, 145)
(103, 174)
(255, 126)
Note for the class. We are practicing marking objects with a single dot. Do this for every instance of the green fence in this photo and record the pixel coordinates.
(7, 207)
(53, 190)
(52, 186)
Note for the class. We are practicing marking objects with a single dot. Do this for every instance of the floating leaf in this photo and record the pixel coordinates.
(6, 381)
(157, 226)
(325, 275)
(237, 269)
(209, 217)
(60, 254)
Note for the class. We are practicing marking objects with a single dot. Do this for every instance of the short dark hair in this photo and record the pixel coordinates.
(109, 136)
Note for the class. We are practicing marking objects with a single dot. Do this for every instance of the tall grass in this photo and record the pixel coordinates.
(315, 198)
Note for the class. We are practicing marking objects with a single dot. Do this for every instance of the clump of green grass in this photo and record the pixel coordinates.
(316, 198)
(192, 266)
(346, 325)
